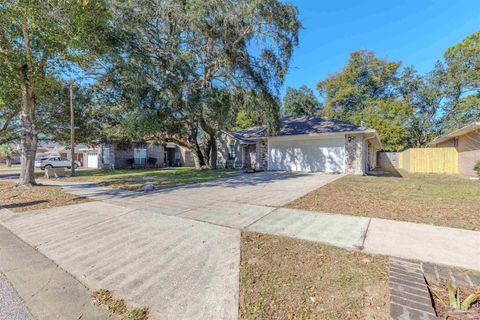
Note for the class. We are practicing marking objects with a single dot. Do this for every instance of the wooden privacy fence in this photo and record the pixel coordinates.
(429, 160)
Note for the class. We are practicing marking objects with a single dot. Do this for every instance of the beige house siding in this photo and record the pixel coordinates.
(468, 147)
(446, 144)
(223, 161)
(186, 157)
(468, 152)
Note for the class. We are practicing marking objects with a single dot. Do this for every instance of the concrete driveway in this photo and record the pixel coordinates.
(234, 202)
(176, 251)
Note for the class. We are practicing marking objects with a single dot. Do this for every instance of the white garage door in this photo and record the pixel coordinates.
(319, 155)
(92, 160)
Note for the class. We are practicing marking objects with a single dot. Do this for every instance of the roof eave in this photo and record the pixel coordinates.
(319, 134)
(459, 132)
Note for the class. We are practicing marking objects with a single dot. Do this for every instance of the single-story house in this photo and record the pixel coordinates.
(78, 154)
(308, 144)
(116, 156)
(467, 142)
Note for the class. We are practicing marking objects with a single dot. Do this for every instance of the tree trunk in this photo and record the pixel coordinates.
(213, 152)
(8, 161)
(198, 156)
(206, 152)
(29, 138)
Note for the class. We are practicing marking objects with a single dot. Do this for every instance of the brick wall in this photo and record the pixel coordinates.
(157, 152)
(261, 155)
(353, 154)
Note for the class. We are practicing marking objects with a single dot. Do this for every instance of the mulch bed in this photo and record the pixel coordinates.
(467, 281)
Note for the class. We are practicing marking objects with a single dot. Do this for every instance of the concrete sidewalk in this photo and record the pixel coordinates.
(449, 246)
(46, 290)
(179, 268)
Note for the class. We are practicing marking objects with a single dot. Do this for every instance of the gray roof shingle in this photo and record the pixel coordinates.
(290, 126)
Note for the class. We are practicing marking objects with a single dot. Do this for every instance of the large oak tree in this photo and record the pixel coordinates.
(40, 40)
(187, 63)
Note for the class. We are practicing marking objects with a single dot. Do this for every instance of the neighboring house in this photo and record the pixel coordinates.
(113, 156)
(48, 150)
(308, 144)
(78, 154)
(467, 142)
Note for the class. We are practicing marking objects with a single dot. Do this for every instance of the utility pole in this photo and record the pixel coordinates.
(72, 132)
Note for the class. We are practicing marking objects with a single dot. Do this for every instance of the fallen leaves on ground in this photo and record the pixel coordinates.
(20, 199)
(444, 200)
(285, 278)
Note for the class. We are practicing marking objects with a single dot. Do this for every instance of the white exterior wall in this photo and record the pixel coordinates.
(307, 154)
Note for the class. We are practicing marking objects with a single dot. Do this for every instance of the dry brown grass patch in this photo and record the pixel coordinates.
(20, 199)
(105, 298)
(443, 200)
(284, 278)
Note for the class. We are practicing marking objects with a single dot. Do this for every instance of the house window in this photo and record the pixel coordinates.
(106, 154)
(140, 155)
(231, 152)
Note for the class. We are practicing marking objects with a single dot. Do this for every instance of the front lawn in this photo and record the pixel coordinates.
(285, 278)
(20, 199)
(443, 200)
(134, 179)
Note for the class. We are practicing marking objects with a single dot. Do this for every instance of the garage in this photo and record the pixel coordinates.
(92, 160)
(311, 155)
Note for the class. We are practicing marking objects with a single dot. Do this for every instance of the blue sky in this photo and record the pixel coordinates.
(414, 32)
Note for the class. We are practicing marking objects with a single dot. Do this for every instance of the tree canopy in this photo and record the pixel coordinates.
(189, 66)
(406, 108)
(40, 42)
(300, 102)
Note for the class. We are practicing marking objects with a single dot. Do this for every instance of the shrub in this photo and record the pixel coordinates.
(130, 161)
(152, 161)
(477, 168)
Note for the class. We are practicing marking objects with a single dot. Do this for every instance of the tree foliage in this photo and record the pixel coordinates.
(460, 78)
(300, 102)
(187, 64)
(364, 92)
(39, 42)
(406, 108)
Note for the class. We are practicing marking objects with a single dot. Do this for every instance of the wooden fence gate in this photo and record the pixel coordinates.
(429, 160)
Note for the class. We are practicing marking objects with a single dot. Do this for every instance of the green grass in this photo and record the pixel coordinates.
(134, 179)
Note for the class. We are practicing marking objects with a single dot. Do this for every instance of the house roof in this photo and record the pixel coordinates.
(459, 132)
(305, 125)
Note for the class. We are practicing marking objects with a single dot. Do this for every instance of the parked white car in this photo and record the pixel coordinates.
(54, 162)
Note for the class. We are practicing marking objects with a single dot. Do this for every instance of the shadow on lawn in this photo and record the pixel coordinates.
(386, 173)
(24, 204)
